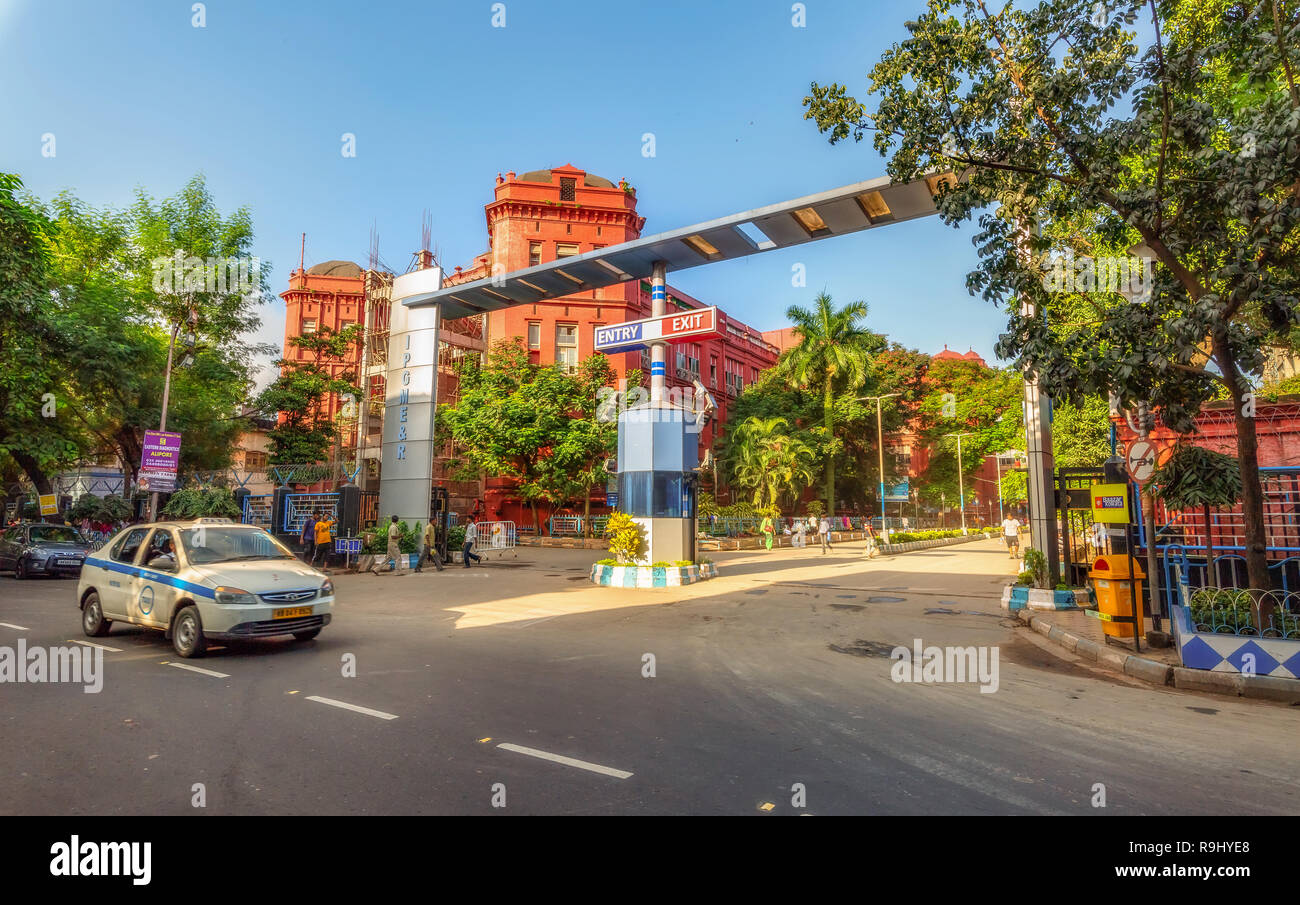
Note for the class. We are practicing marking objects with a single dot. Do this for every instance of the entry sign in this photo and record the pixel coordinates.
(1141, 461)
(677, 327)
(1110, 503)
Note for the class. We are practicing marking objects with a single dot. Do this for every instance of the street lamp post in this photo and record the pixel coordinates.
(880, 429)
(961, 483)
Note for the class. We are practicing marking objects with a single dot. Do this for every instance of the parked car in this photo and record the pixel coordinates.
(43, 548)
(202, 580)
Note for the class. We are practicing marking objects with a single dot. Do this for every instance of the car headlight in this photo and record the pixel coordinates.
(327, 589)
(234, 596)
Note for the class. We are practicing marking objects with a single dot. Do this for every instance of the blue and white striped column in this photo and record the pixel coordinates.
(659, 348)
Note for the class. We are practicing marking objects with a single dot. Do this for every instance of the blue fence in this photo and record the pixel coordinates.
(297, 506)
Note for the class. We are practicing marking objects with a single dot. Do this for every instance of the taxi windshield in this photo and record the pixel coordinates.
(213, 544)
(55, 534)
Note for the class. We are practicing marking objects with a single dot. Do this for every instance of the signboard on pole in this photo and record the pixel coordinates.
(49, 504)
(1141, 460)
(160, 459)
(1110, 503)
(678, 327)
(898, 492)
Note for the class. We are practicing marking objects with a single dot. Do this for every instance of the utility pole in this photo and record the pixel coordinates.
(880, 430)
(961, 482)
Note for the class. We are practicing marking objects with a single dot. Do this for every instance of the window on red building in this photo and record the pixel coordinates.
(534, 334)
(308, 325)
(534, 253)
(713, 371)
(565, 250)
(566, 346)
(568, 189)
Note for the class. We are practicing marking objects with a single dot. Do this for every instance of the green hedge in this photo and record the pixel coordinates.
(907, 537)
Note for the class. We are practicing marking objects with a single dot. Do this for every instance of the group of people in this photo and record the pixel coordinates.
(428, 547)
(800, 529)
(315, 538)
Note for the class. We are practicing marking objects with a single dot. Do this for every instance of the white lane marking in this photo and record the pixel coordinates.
(567, 761)
(346, 706)
(21, 628)
(206, 672)
(116, 650)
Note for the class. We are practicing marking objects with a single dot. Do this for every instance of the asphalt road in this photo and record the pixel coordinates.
(775, 675)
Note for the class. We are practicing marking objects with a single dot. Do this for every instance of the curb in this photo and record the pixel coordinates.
(1260, 688)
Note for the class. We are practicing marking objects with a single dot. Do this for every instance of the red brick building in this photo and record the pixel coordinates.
(548, 214)
(329, 295)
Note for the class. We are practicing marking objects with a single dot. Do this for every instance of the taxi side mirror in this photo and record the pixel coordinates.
(163, 564)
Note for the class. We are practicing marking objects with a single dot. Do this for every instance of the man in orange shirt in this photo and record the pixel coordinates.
(324, 527)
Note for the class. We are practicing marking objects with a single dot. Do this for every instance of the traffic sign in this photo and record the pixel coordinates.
(1141, 461)
(49, 504)
(677, 327)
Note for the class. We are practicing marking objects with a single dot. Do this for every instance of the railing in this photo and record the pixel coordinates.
(1237, 611)
(564, 524)
(257, 510)
(297, 506)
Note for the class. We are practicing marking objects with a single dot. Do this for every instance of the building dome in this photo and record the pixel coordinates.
(335, 269)
(591, 179)
(972, 355)
(949, 355)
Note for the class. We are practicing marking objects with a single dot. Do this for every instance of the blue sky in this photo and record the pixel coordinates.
(441, 101)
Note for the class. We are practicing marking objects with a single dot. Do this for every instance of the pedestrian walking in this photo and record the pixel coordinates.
(308, 539)
(471, 535)
(825, 531)
(766, 530)
(871, 551)
(324, 529)
(800, 533)
(394, 548)
(428, 548)
(1011, 534)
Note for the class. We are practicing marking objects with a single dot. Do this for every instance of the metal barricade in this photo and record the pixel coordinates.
(497, 537)
(565, 524)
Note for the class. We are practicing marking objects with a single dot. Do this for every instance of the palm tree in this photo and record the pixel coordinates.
(768, 461)
(832, 347)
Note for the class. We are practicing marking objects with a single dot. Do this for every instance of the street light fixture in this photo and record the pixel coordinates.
(961, 484)
(881, 430)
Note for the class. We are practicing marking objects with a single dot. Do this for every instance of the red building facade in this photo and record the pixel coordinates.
(544, 215)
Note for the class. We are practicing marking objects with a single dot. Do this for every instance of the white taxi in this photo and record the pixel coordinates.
(201, 580)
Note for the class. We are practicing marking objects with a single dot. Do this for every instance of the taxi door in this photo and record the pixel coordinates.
(152, 592)
(116, 584)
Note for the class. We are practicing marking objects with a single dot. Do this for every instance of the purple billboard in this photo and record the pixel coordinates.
(159, 461)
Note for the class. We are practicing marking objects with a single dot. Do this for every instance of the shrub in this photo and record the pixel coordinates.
(1036, 565)
(202, 502)
(1026, 577)
(624, 537)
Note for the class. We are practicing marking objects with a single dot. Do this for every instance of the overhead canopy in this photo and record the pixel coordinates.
(853, 208)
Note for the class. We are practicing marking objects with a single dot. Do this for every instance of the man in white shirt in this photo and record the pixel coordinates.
(1011, 534)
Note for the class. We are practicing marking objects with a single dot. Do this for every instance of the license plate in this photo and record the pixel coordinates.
(291, 612)
(69, 562)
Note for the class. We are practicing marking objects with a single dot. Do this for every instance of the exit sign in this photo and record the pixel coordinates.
(678, 327)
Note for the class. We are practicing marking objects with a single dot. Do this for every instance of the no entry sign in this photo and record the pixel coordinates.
(1141, 461)
(678, 327)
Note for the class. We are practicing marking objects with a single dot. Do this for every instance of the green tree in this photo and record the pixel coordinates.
(833, 350)
(301, 393)
(1188, 148)
(769, 462)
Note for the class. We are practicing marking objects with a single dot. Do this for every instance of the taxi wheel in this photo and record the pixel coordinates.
(93, 622)
(307, 635)
(20, 569)
(187, 633)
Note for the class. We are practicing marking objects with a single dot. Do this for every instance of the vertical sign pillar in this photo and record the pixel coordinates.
(658, 349)
(411, 397)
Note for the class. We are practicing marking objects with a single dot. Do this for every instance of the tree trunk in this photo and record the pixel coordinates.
(1252, 493)
(586, 513)
(829, 421)
(33, 470)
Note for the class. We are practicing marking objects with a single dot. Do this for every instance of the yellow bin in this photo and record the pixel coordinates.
(1111, 576)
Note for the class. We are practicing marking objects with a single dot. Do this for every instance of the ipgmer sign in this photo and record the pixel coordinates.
(670, 328)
